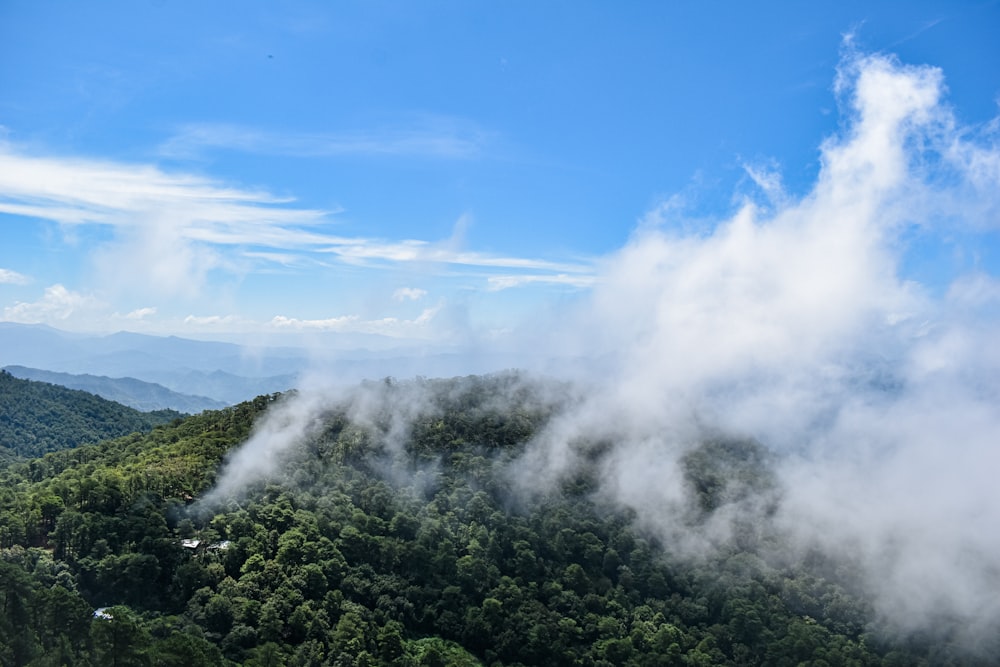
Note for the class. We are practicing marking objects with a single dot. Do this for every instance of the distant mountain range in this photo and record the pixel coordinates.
(218, 372)
(222, 373)
(144, 396)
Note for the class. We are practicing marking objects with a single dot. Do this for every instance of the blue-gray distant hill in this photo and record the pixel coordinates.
(144, 396)
(38, 417)
(227, 372)
(223, 372)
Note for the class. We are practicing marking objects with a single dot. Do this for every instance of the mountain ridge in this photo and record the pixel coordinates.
(359, 547)
(132, 392)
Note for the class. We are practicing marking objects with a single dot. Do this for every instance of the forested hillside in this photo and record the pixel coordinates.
(38, 417)
(380, 543)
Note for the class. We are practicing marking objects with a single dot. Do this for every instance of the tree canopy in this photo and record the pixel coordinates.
(38, 417)
(356, 552)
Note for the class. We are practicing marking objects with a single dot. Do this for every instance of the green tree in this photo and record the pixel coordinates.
(118, 638)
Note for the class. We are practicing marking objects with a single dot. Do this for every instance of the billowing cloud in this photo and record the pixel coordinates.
(793, 326)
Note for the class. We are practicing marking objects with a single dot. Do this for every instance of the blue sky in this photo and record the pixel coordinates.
(436, 171)
(756, 216)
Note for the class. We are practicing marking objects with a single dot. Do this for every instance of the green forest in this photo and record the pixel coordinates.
(39, 417)
(368, 545)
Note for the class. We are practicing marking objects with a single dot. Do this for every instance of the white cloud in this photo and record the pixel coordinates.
(409, 294)
(171, 232)
(75, 191)
(362, 251)
(794, 327)
(975, 291)
(418, 327)
(141, 313)
(286, 259)
(497, 283)
(8, 277)
(768, 180)
(328, 324)
(212, 321)
(57, 305)
(429, 137)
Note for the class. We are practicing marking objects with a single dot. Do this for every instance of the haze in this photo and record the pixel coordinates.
(774, 223)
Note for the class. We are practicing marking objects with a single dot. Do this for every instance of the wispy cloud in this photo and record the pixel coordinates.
(209, 321)
(73, 191)
(429, 137)
(924, 27)
(579, 281)
(172, 230)
(8, 277)
(361, 251)
(169, 230)
(418, 327)
(409, 294)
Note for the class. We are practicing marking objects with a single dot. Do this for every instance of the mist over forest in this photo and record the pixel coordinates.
(786, 325)
(752, 441)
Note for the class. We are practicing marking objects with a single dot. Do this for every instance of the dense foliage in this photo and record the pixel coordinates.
(37, 418)
(376, 545)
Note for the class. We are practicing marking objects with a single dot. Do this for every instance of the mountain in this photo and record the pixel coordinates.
(368, 543)
(38, 417)
(227, 372)
(144, 396)
(222, 386)
(223, 372)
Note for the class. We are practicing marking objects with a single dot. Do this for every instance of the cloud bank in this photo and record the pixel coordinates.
(794, 325)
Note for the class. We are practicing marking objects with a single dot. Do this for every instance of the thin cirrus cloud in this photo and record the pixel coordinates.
(361, 251)
(437, 137)
(498, 283)
(73, 191)
(172, 229)
(416, 328)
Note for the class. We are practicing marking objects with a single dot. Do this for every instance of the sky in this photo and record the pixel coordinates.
(433, 172)
(778, 219)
